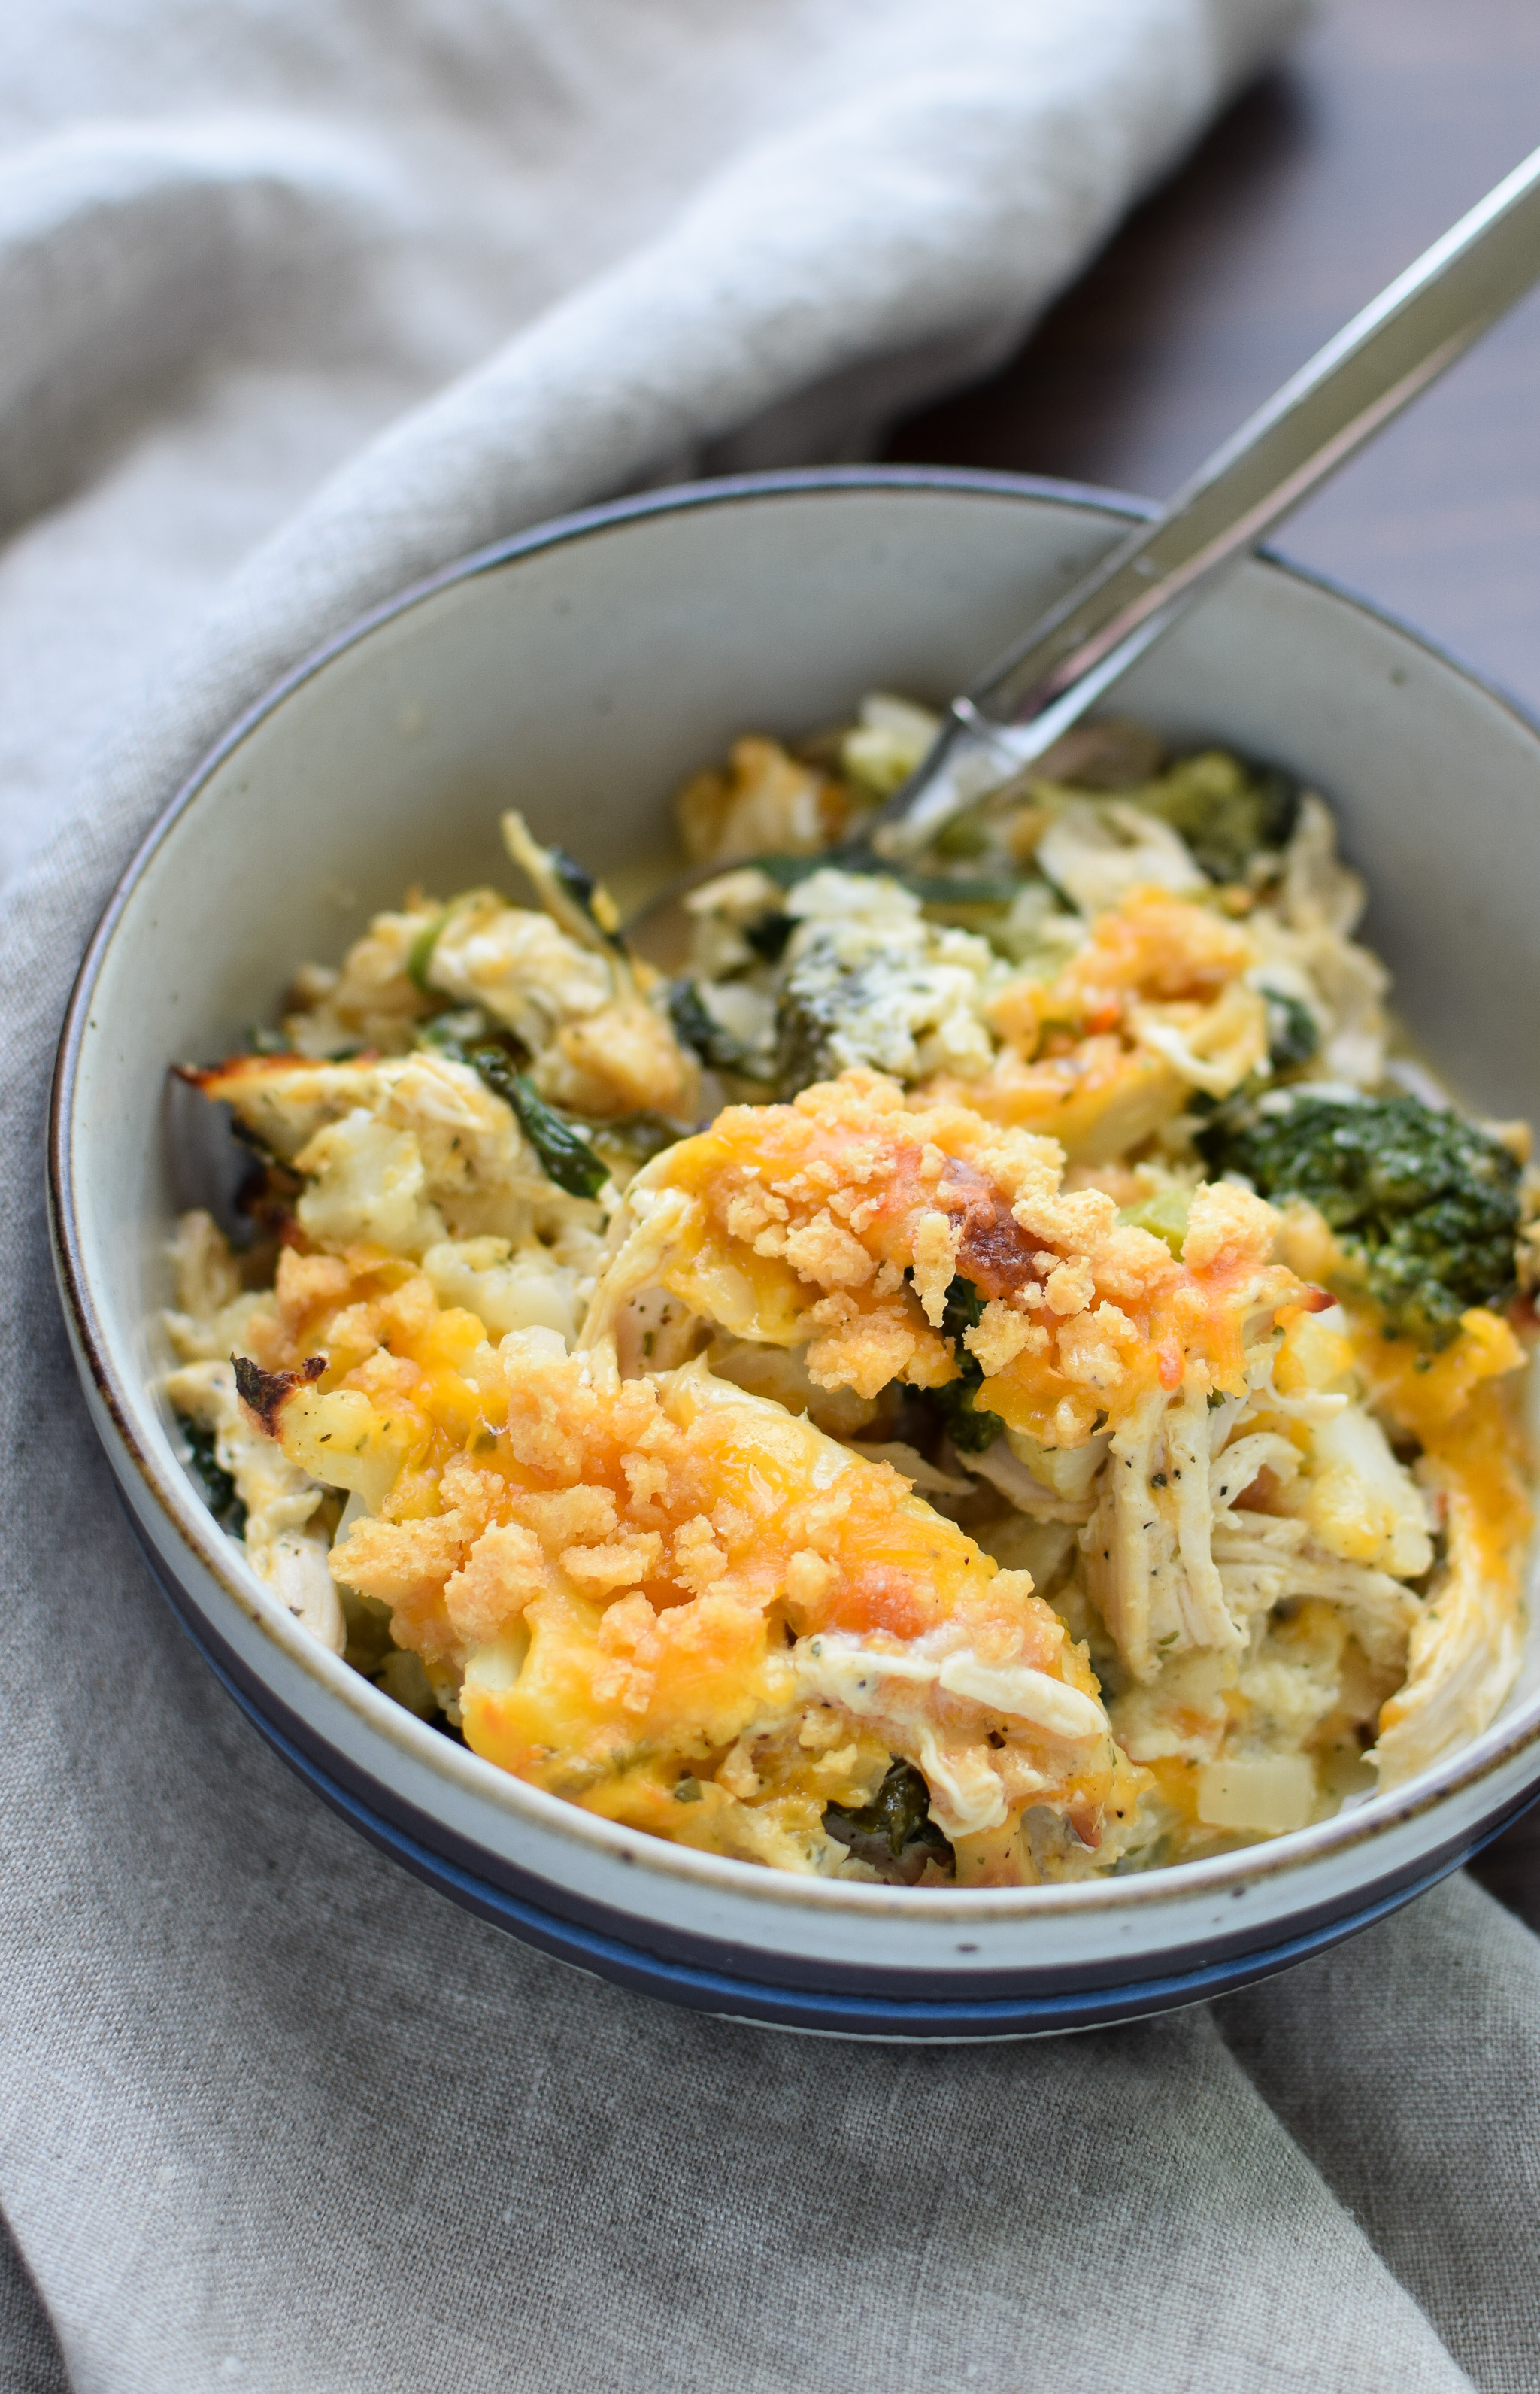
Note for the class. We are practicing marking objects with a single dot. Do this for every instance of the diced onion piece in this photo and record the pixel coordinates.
(496, 1664)
(1267, 1793)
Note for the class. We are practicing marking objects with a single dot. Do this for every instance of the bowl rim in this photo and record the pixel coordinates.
(1298, 1850)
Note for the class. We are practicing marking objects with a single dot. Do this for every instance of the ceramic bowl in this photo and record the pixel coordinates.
(579, 672)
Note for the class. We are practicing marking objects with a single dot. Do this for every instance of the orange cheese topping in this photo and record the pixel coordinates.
(1462, 1407)
(1079, 1063)
(843, 1219)
(629, 1574)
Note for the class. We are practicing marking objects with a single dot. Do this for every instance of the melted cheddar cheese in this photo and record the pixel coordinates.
(672, 1602)
(562, 1446)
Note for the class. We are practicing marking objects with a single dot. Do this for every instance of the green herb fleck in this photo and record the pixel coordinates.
(1293, 1034)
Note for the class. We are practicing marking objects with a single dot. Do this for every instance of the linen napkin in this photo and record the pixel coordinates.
(302, 298)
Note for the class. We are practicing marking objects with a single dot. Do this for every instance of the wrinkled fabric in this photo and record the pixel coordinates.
(300, 302)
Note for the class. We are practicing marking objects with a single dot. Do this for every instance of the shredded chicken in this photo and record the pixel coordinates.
(935, 1428)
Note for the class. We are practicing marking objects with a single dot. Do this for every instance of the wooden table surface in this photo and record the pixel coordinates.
(1390, 118)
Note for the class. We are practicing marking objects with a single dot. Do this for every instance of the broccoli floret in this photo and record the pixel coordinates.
(970, 1430)
(218, 1485)
(894, 1833)
(1226, 812)
(808, 1011)
(1294, 1035)
(829, 1015)
(565, 1154)
(696, 1027)
(1425, 1203)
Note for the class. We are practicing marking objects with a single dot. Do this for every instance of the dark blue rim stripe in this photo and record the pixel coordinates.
(714, 1991)
(860, 2014)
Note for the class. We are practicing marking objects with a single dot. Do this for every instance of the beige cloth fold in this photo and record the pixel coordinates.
(272, 2114)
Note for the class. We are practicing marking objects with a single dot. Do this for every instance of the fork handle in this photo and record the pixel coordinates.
(1391, 350)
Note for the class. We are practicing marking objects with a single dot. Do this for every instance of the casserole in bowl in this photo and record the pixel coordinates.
(577, 675)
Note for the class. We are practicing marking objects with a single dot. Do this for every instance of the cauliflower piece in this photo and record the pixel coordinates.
(1182, 1716)
(212, 1309)
(508, 1289)
(765, 804)
(1097, 854)
(1359, 1501)
(280, 1499)
(622, 1059)
(1294, 1682)
(374, 1003)
(207, 1277)
(367, 1181)
(403, 1150)
(518, 966)
(889, 741)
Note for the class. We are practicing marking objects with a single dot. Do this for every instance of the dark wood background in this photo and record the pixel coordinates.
(1390, 118)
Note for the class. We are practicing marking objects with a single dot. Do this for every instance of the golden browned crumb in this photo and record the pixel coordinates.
(639, 1582)
(839, 1222)
(764, 804)
(1150, 1008)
